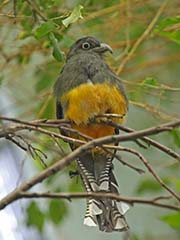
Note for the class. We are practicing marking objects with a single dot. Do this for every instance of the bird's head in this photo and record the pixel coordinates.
(89, 45)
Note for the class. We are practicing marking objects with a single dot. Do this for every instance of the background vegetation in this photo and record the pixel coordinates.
(145, 37)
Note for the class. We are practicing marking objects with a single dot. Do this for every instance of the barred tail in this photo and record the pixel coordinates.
(96, 173)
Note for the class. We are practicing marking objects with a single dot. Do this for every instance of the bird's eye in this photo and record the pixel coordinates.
(86, 46)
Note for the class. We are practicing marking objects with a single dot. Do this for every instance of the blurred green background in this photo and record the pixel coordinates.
(34, 38)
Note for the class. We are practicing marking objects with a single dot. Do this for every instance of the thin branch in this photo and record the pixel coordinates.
(99, 195)
(148, 140)
(14, 8)
(62, 163)
(27, 147)
(148, 166)
(36, 9)
(115, 156)
(142, 37)
(56, 123)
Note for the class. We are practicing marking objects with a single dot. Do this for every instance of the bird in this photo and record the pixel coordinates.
(87, 88)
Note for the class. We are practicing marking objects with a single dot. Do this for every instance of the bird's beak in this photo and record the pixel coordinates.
(103, 48)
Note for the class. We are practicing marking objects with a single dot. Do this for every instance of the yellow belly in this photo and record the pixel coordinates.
(86, 101)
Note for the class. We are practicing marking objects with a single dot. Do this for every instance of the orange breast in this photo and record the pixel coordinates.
(95, 130)
(86, 101)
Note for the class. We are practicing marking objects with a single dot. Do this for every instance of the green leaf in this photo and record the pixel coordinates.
(57, 53)
(43, 83)
(174, 36)
(173, 220)
(150, 82)
(1, 79)
(74, 16)
(177, 183)
(162, 29)
(44, 29)
(57, 210)
(167, 23)
(75, 185)
(46, 108)
(176, 136)
(149, 185)
(35, 217)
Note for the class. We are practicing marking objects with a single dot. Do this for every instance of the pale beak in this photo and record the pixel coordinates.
(103, 48)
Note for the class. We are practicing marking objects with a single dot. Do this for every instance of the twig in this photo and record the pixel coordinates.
(142, 37)
(56, 123)
(27, 147)
(115, 156)
(148, 166)
(99, 195)
(148, 140)
(14, 8)
(17, 143)
(59, 165)
(154, 111)
(36, 9)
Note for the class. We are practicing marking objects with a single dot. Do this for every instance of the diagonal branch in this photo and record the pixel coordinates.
(148, 140)
(148, 166)
(62, 163)
(142, 37)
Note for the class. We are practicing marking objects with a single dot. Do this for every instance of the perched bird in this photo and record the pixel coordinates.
(87, 88)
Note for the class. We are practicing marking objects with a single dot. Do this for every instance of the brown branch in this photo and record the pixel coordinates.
(136, 134)
(57, 123)
(22, 143)
(115, 156)
(14, 195)
(35, 127)
(99, 195)
(148, 166)
(14, 8)
(142, 37)
(148, 140)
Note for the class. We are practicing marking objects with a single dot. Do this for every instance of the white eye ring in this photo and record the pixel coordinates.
(86, 46)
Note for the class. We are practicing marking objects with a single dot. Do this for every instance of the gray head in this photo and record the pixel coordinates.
(88, 45)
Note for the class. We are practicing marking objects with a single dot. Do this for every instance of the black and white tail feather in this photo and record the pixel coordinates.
(96, 173)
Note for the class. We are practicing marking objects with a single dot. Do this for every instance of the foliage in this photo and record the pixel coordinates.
(173, 220)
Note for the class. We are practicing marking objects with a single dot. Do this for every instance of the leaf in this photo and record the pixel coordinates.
(57, 210)
(177, 183)
(46, 108)
(45, 77)
(166, 23)
(43, 83)
(57, 53)
(1, 79)
(164, 29)
(74, 16)
(44, 29)
(35, 217)
(172, 219)
(176, 136)
(149, 185)
(75, 185)
(150, 82)
(174, 36)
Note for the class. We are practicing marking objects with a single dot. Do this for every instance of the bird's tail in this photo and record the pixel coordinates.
(97, 176)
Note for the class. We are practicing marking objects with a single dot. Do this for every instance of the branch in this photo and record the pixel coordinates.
(34, 125)
(99, 195)
(142, 37)
(150, 141)
(62, 163)
(148, 166)
(36, 9)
